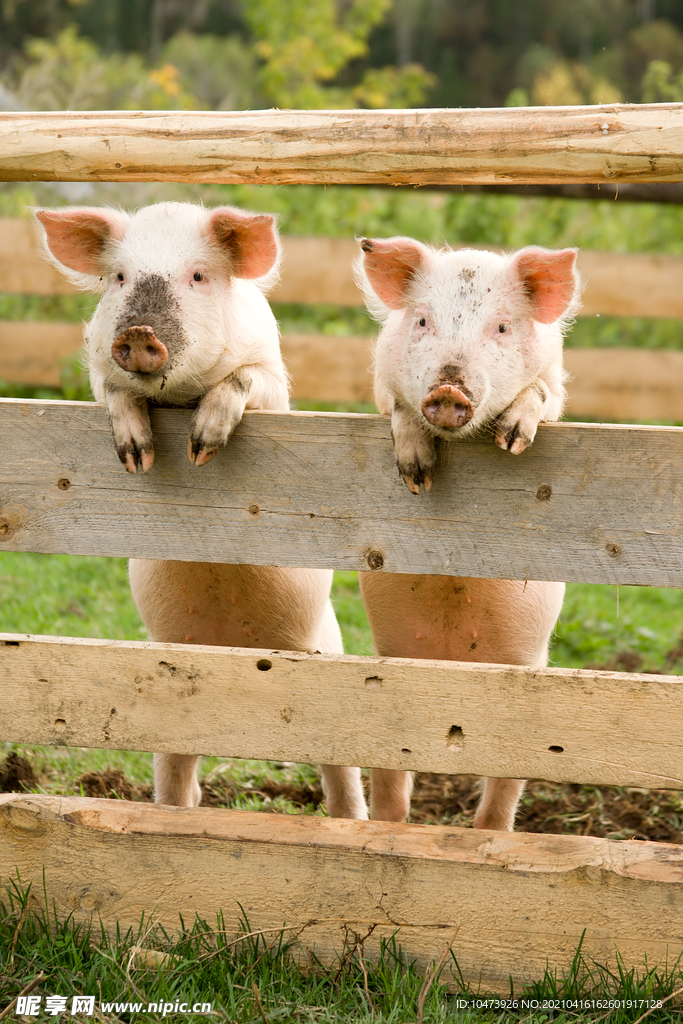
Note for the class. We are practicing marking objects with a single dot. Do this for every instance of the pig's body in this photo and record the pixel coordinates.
(182, 322)
(470, 341)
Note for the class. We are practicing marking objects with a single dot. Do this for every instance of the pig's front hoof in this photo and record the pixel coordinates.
(511, 443)
(513, 439)
(131, 456)
(516, 427)
(198, 453)
(415, 475)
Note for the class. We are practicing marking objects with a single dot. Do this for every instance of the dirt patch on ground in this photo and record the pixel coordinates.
(222, 794)
(559, 808)
(17, 775)
(112, 784)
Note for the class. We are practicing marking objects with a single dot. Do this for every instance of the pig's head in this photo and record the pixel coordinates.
(464, 331)
(164, 273)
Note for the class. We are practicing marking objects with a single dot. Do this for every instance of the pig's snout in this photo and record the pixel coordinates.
(447, 407)
(138, 350)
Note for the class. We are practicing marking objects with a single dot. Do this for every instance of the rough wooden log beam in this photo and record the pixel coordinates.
(519, 902)
(614, 143)
(564, 725)
(590, 503)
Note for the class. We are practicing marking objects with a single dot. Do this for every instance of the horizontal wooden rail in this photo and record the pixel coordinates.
(320, 270)
(613, 142)
(518, 902)
(564, 725)
(587, 503)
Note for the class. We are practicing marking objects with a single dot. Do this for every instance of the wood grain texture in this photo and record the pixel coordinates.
(606, 728)
(613, 143)
(519, 901)
(322, 490)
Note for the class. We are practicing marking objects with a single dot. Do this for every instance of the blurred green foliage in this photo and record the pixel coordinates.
(304, 46)
(358, 52)
(297, 51)
(70, 73)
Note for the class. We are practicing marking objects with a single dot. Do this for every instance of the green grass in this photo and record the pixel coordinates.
(206, 965)
(66, 595)
(636, 628)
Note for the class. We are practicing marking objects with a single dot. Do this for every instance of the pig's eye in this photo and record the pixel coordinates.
(197, 276)
(119, 277)
(503, 328)
(422, 322)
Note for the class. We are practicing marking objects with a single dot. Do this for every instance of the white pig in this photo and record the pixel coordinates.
(470, 340)
(183, 322)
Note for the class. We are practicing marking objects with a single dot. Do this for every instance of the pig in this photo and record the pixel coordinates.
(183, 321)
(470, 341)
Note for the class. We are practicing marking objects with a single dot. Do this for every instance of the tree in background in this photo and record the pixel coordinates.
(71, 73)
(382, 52)
(305, 46)
(297, 51)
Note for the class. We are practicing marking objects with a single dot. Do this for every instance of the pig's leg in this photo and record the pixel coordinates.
(390, 794)
(221, 408)
(342, 787)
(175, 780)
(415, 452)
(516, 426)
(131, 428)
(343, 791)
(498, 804)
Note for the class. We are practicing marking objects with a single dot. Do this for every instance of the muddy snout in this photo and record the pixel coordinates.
(138, 350)
(447, 407)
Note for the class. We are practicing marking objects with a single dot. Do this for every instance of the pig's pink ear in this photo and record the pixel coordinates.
(249, 239)
(390, 264)
(77, 236)
(549, 278)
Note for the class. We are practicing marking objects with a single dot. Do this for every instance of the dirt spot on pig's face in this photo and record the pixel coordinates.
(152, 303)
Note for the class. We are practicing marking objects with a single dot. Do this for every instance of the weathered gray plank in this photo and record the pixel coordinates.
(518, 902)
(321, 490)
(605, 728)
(512, 145)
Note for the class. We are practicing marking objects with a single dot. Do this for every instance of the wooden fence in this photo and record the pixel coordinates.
(321, 490)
